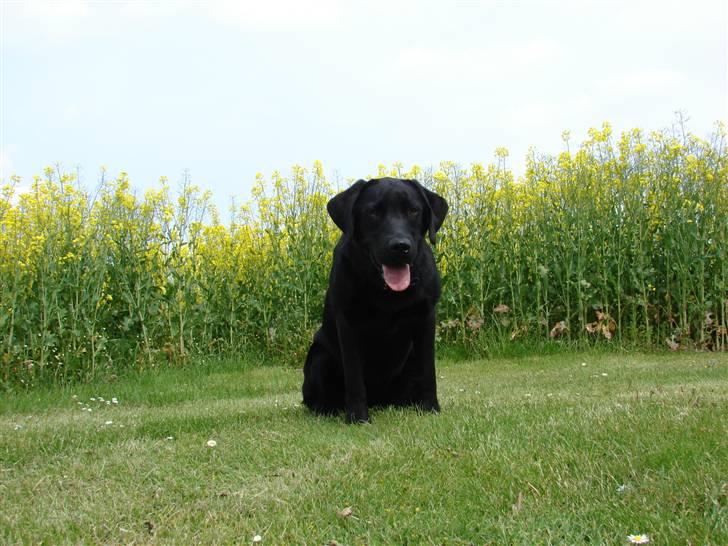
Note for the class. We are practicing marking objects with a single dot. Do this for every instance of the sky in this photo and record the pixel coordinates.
(227, 89)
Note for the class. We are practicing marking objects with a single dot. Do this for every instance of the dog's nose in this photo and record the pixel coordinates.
(400, 246)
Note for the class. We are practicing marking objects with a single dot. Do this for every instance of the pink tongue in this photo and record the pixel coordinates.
(397, 277)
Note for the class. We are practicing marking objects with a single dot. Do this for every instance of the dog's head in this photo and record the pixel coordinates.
(389, 217)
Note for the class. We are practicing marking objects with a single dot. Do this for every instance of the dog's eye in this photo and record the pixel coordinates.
(373, 213)
(412, 211)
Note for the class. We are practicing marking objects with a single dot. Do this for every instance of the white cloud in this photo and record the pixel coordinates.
(51, 10)
(644, 82)
(663, 18)
(6, 166)
(551, 115)
(534, 114)
(479, 63)
(64, 20)
(276, 14)
(56, 20)
(154, 9)
(70, 112)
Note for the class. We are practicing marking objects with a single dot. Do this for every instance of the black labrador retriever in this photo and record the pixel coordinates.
(376, 345)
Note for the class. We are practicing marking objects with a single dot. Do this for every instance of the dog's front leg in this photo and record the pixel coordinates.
(424, 353)
(355, 394)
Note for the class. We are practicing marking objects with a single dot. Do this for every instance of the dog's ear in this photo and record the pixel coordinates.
(341, 206)
(436, 207)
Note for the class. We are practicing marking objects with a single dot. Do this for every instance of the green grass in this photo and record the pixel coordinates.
(539, 450)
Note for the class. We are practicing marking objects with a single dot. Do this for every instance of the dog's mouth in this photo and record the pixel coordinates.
(397, 277)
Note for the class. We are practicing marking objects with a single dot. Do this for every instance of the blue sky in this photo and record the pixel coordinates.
(229, 89)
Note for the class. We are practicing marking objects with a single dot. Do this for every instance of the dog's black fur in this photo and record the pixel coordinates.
(376, 345)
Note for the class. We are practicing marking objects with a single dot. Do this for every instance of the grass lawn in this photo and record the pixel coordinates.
(561, 449)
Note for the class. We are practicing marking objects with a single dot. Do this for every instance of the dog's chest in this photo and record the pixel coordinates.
(384, 320)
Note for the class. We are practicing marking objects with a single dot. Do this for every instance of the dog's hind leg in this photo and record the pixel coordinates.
(323, 384)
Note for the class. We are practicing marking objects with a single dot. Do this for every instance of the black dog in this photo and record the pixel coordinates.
(376, 345)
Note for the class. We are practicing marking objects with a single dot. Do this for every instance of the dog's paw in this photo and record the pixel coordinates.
(357, 414)
(431, 405)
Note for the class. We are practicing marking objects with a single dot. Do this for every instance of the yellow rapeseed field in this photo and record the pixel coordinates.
(621, 241)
